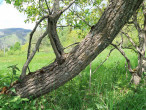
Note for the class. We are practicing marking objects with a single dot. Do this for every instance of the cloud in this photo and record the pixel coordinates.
(10, 17)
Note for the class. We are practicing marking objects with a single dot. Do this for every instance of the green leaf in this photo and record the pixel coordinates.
(13, 90)
(8, 1)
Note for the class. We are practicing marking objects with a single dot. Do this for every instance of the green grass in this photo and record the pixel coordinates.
(110, 89)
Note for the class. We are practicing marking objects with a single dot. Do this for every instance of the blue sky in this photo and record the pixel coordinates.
(11, 17)
(1, 2)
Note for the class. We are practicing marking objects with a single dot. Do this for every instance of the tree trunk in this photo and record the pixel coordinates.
(54, 39)
(141, 56)
(101, 35)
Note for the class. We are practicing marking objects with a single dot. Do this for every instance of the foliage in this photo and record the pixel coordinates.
(13, 103)
(14, 71)
(87, 9)
(16, 46)
(1, 53)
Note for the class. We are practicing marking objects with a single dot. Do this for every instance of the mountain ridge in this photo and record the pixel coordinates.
(9, 36)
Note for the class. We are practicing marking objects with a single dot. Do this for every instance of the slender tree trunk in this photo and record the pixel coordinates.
(141, 56)
(54, 39)
(142, 47)
(101, 35)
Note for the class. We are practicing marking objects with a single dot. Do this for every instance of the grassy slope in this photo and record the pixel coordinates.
(110, 89)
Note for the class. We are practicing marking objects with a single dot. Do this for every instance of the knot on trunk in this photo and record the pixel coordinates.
(61, 59)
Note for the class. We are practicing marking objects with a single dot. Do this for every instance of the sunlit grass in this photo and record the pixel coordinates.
(110, 89)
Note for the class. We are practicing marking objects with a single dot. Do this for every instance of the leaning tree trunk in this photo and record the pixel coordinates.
(100, 36)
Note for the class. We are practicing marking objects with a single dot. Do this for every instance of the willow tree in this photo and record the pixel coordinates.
(68, 65)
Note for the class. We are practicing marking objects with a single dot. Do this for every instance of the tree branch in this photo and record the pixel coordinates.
(71, 45)
(129, 48)
(48, 7)
(70, 4)
(129, 38)
(136, 24)
(103, 61)
(23, 74)
(32, 32)
(83, 20)
(123, 53)
(41, 7)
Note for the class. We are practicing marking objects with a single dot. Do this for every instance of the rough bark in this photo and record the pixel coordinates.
(54, 39)
(52, 32)
(101, 35)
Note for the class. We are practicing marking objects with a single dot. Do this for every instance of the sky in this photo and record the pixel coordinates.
(10, 17)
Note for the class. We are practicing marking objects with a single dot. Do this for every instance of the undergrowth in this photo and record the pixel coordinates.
(110, 88)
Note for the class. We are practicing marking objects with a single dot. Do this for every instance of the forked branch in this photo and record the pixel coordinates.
(133, 43)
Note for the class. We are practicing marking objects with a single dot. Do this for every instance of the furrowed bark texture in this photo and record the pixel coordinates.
(54, 39)
(101, 35)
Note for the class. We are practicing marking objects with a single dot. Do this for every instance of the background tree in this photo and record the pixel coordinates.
(138, 24)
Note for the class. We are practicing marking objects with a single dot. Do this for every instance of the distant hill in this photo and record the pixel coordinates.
(10, 36)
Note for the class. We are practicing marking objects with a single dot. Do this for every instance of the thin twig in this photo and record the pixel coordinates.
(23, 74)
(32, 32)
(123, 53)
(83, 20)
(103, 61)
(70, 4)
(71, 45)
(133, 43)
(47, 6)
(129, 48)
(136, 24)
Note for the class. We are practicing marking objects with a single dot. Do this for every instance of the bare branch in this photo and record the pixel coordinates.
(23, 74)
(71, 45)
(32, 32)
(83, 20)
(123, 53)
(48, 7)
(64, 26)
(103, 61)
(129, 38)
(99, 9)
(63, 10)
(41, 7)
(136, 24)
(129, 48)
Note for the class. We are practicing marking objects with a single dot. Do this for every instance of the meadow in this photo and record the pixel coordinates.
(109, 90)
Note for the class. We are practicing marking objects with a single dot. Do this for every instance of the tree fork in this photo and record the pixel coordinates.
(101, 35)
